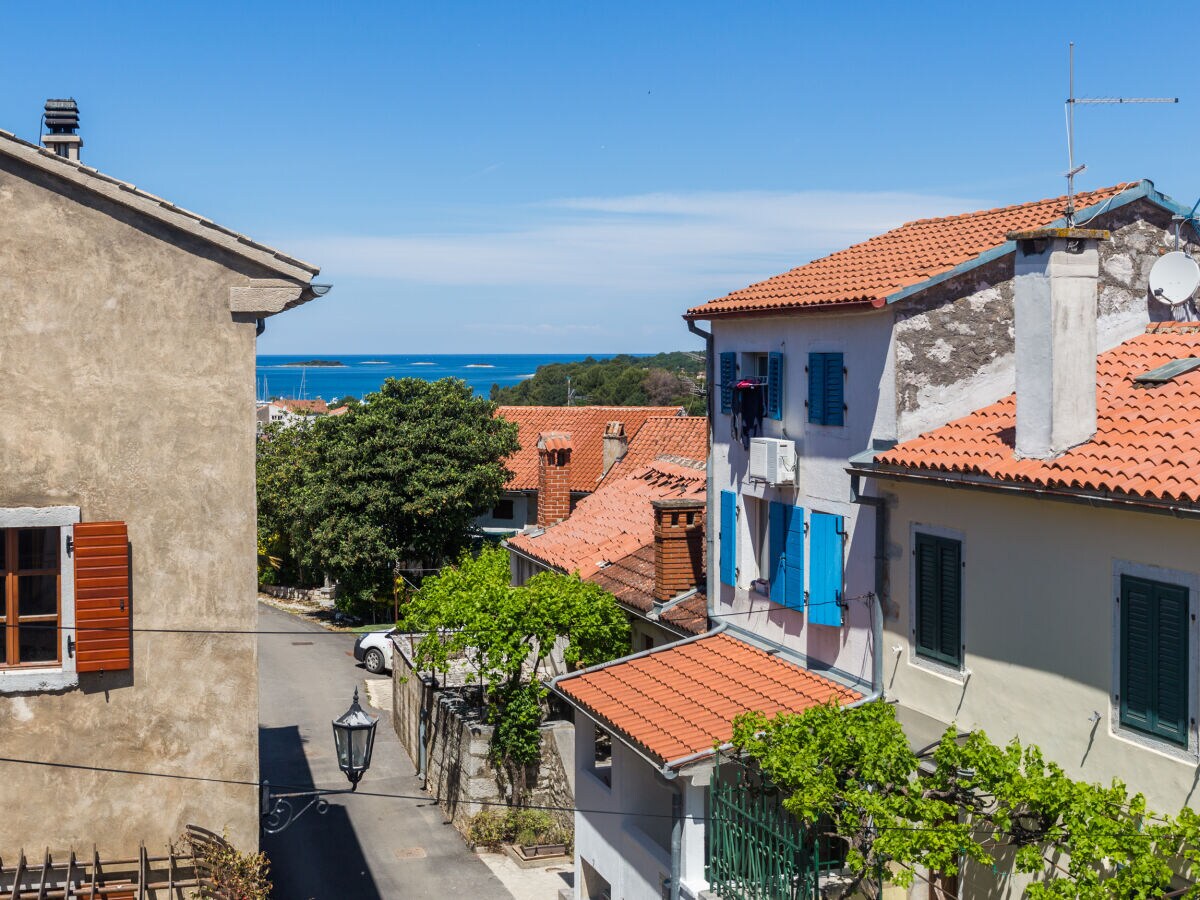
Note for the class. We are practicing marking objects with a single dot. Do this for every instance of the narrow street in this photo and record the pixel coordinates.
(362, 848)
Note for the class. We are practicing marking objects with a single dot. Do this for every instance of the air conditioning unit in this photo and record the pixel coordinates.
(772, 460)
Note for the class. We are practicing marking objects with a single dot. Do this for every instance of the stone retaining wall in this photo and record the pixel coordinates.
(324, 596)
(458, 770)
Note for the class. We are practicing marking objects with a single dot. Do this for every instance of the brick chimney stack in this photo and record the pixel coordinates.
(616, 445)
(678, 546)
(554, 478)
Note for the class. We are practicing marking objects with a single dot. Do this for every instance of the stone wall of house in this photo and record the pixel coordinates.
(954, 341)
(458, 769)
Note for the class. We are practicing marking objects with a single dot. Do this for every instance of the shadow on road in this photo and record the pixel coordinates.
(318, 857)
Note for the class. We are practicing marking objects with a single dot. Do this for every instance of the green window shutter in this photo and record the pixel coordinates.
(1171, 679)
(775, 385)
(728, 376)
(938, 606)
(1155, 678)
(1137, 653)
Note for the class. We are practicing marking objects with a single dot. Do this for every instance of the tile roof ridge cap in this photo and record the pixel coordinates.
(1119, 188)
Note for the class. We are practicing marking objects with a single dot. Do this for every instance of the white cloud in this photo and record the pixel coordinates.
(704, 241)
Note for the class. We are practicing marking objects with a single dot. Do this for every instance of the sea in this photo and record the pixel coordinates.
(280, 376)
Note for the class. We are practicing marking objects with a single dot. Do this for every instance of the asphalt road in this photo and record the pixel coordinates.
(362, 848)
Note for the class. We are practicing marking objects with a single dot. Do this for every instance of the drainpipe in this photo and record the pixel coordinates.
(879, 504)
(710, 532)
(676, 834)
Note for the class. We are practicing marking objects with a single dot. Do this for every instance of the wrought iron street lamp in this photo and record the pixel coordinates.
(354, 741)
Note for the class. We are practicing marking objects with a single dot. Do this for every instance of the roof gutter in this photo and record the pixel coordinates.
(1096, 499)
(865, 304)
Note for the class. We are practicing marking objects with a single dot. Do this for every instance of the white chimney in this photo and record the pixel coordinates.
(1055, 285)
(615, 446)
(62, 121)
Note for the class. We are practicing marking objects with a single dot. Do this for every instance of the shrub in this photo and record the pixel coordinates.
(487, 829)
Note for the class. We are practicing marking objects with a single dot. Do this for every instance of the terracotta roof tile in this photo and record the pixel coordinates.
(631, 580)
(877, 268)
(586, 426)
(1147, 441)
(685, 436)
(681, 700)
(614, 521)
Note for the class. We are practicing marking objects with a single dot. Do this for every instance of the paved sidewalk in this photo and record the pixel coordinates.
(529, 884)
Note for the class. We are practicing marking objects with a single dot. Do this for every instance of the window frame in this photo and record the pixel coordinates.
(1190, 581)
(955, 673)
(60, 675)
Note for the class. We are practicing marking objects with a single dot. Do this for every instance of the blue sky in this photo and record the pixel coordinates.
(568, 177)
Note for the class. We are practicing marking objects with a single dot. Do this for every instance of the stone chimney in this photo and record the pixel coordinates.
(62, 121)
(616, 445)
(678, 546)
(554, 478)
(1055, 286)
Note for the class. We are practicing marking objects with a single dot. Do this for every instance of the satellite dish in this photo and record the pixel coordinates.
(1174, 278)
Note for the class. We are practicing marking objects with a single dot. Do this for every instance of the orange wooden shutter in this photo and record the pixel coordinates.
(102, 609)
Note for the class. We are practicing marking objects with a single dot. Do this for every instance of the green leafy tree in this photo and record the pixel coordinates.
(853, 768)
(402, 477)
(665, 379)
(398, 478)
(472, 611)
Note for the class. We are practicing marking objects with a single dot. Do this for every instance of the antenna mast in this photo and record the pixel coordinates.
(1072, 101)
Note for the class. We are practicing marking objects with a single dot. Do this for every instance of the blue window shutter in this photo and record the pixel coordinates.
(775, 385)
(793, 557)
(728, 537)
(816, 388)
(834, 389)
(775, 541)
(825, 580)
(728, 376)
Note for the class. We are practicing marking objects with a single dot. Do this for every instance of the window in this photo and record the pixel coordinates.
(602, 755)
(1155, 685)
(826, 394)
(31, 594)
(764, 368)
(503, 509)
(938, 598)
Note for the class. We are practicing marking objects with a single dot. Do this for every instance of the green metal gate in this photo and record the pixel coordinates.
(756, 849)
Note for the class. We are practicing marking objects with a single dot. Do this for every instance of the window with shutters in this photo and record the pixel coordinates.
(1155, 635)
(826, 389)
(937, 598)
(64, 598)
(765, 369)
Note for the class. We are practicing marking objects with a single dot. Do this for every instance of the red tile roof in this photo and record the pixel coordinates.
(303, 406)
(585, 424)
(631, 580)
(1147, 441)
(681, 700)
(870, 272)
(685, 436)
(614, 521)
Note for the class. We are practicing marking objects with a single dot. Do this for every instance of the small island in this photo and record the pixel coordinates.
(317, 362)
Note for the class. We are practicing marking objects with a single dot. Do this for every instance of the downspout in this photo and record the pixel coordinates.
(710, 532)
(676, 834)
(879, 504)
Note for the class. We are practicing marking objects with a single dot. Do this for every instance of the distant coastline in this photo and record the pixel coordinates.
(326, 363)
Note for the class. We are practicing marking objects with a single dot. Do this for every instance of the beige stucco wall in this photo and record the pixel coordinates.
(1039, 589)
(129, 393)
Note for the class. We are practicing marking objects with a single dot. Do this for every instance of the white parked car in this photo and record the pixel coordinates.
(374, 650)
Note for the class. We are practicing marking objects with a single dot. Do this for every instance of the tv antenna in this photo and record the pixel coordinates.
(1072, 102)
